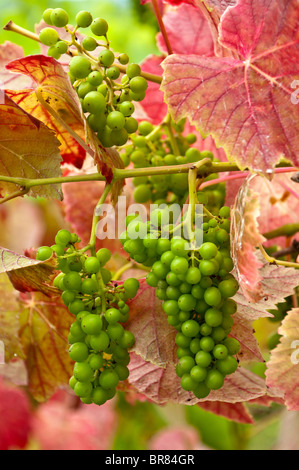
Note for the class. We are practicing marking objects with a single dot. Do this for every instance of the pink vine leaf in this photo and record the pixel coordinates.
(244, 102)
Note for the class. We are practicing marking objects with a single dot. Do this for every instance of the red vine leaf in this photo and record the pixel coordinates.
(28, 150)
(282, 372)
(56, 90)
(237, 412)
(245, 239)
(44, 328)
(155, 339)
(245, 103)
(9, 319)
(277, 283)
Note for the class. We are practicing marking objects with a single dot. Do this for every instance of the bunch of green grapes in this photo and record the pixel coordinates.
(152, 147)
(98, 340)
(196, 288)
(107, 95)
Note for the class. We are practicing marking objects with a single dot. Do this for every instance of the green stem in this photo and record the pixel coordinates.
(11, 26)
(96, 218)
(288, 230)
(173, 141)
(275, 261)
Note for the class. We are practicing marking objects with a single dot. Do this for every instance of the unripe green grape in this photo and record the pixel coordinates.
(131, 125)
(96, 361)
(201, 391)
(138, 85)
(59, 17)
(44, 253)
(89, 287)
(83, 19)
(186, 363)
(48, 36)
(53, 52)
(100, 342)
(83, 372)
(89, 44)
(116, 120)
(193, 276)
(127, 340)
(108, 379)
(83, 389)
(92, 324)
(78, 352)
(99, 396)
(97, 122)
(72, 281)
(198, 374)
(105, 137)
(99, 27)
(112, 316)
(95, 78)
(103, 255)
(212, 296)
(143, 194)
(190, 328)
(228, 288)
(80, 67)
(227, 366)
(179, 265)
(214, 380)
(106, 58)
(61, 47)
(123, 59)
(113, 73)
(224, 212)
(119, 137)
(94, 102)
(187, 302)
(213, 317)
(126, 108)
(145, 128)
(85, 88)
(207, 344)
(208, 251)
(232, 345)
(76, 307)
(122, 372)
(47, 16)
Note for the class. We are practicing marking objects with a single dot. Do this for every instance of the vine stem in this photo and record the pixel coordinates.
(12, 27)
(162, 26)
(288, 230)
(97, 216)
(271, 260)
(243, 175)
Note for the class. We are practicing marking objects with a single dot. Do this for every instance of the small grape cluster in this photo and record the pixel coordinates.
(196, 288)
(107, 98)
(99, 342)
(152, 147)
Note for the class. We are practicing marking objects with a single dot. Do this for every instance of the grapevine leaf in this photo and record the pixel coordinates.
(245, 238)
(9, 320)
(282, 372)
(245, 103)
(244, 332)
(155, 340)
(188, 32)
(9, 52)
(277, 283)
(161, 385)
(57, 92)
(44, 328)
(237, 412)
(15, 423)
(28, 150)
(27, 274)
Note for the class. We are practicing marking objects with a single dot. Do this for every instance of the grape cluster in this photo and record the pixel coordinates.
(196, 289)
(98, 340)
(107, 98)
(152, 147)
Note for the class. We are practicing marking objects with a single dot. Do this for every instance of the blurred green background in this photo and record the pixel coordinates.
(123, 16)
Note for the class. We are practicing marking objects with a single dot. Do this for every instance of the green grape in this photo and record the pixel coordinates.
(214, 380)
(220, 352)
(203, 359)
(80, 67)
(48, 36)
(123, 59)
(138, 85)
(47, 16)
(133, 70)
(212, 296)
(106, 58)
(89, 44)
(142, 194)
(84, 19)
(131, 287)
(227, 366)
(131, 125)
(198, 374)
(85, 88)
(61, 47)
(99, 27)
(116, 120)
(94, 102)
(53, 52)
(44, 253)
(83, 389)
(126, 108)
(83, 372)
(228, 288)
(92, 324)
(59, 17)
(190, 328)
(100, 342)
(78, 352)
(108, 379)
(113, 73)
(72, 281)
